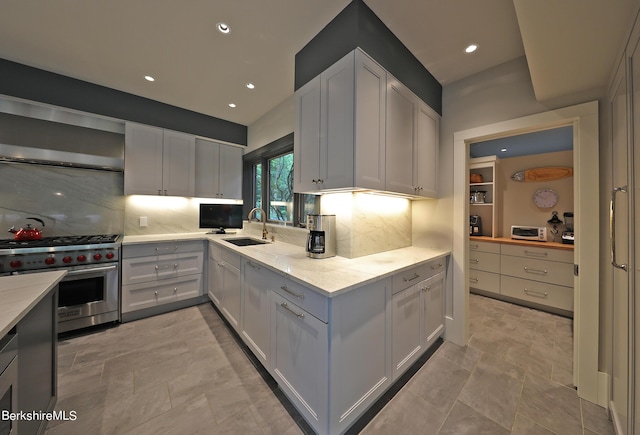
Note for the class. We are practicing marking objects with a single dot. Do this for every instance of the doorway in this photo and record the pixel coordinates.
(583, 119)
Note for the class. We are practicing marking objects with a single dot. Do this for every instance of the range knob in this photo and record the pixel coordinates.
(110, 255)
(67, 259)
(49, 261)
(15, 264)
(82, 258)
(97, 257)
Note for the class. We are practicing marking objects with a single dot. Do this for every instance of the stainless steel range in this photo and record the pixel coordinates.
(88, 295)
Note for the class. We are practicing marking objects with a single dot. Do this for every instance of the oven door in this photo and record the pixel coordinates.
(88, 296)
(8, 383)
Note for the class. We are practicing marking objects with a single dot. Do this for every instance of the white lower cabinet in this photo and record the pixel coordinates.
(256, 310)
(225, 285)
(157, 274)
(433, 308)
(407, 312)
(300, 347)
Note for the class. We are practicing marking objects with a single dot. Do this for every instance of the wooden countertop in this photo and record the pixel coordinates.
(509, 241)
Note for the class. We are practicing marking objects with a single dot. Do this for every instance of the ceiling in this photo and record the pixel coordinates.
(570, 45)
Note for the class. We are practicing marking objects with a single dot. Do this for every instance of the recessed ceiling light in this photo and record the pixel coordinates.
(251, 86)
(223, 28)
(471, 48)
(504, 150)
(149, 78)
(232, 105)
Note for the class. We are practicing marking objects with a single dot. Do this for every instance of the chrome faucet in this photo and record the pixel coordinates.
(264, 220)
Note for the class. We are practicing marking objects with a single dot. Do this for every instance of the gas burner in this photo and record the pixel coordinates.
(58, 241)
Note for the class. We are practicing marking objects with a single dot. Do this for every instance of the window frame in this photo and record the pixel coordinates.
(262, 155)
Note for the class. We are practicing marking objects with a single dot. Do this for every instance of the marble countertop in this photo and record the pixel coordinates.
(328, 276)
(20, 293)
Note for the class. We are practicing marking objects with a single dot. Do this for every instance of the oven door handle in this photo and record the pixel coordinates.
(92, 270)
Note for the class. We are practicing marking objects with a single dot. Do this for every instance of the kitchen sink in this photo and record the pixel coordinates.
(245, 241)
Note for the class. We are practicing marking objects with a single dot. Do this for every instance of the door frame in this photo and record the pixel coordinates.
(590, 383)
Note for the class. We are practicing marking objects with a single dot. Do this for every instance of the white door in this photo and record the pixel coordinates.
(619, 230)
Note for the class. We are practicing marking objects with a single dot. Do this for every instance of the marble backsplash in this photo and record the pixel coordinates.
(69, 200)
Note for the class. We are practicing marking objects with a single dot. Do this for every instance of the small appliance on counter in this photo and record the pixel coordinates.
(567, 235)
(321, 241)
(475, 225)
(521, 232)
(478, 197)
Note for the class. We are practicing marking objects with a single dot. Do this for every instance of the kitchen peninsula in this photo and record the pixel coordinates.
(334, 333)
(28, 344)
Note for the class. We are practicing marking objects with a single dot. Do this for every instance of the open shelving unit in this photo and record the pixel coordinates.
(488, 211)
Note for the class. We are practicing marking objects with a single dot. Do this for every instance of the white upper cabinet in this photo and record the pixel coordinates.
(218, 170)
(359, 128)
(158, 161)
(339, 137)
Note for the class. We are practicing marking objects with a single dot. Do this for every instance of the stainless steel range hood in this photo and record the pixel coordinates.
(40, 134)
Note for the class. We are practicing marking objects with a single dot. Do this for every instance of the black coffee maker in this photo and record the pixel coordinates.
(475, 225)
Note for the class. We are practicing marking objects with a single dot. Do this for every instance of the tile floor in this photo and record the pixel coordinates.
(185, 372)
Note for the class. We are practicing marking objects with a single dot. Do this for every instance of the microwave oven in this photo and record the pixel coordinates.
(529, 233)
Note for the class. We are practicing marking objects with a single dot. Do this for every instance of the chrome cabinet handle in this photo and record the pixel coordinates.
(292, 293)
(612, 227)
(415, 276)
(474, 246)
(156, 293)
(175, 248)
(438, 266)
(474, 260)
(253, 266)
(426, 288)
(533, 253)
(175, 266)
(536, 293)
(526, 269)
(473, 279)
(286, 307)
(175, 290)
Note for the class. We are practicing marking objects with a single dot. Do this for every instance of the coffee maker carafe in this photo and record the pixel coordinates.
(321, 241)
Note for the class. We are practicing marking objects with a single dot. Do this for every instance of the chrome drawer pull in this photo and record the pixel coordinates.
(426, 288)
(474, 246)
(175, 248)
(536, 293)
(539, 254)
(544, 272)
(436, 267)
(175, 266)
(298, 295)
(473, 279)
(415, 276)
(286, 307)
(253, 266)
(474, 260)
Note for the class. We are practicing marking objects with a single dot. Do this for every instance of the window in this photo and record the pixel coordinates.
(268, 184)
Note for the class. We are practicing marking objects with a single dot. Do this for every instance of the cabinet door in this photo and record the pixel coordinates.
(426, 151)
(406, 314)
(230, 170)
(300, 349)
(401, 109)
(336, 124)
(214, 279)
(433, 308)
(207, 169)
(231, 294)
(306, 139)
(256, 309)
(370, 125)
(142, 160)
(178, 164)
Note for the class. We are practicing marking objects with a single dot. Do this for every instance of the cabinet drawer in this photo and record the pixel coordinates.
(162, 248)
(436, 266)
(537, 270)
(486, 281)
(557, 255)
(145, 269)
(484, 246)
(541, 293)
(485, 261)
(312, 302)
(410, 277)
(230, 257)
(145, 295)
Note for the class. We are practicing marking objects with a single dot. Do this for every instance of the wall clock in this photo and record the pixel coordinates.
(545, 198)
